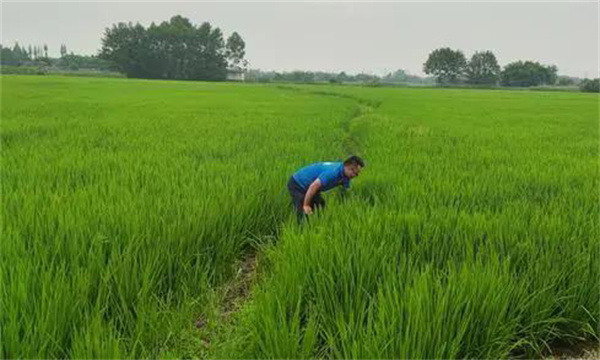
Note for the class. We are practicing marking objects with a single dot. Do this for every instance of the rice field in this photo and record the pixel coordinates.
(126, 205)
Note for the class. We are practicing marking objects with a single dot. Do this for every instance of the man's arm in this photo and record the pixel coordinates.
(313, 189)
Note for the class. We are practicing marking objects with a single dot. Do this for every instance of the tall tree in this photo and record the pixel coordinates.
(590, 85)
(18, 54)
(63, 50)
(483, 69)
(446, 65)
(126, 46)
(174, 49)
(45, 50)
(200, 66)
(216, 63)
(235, 51)
(16, 47)
(7, 56)
(551, 73)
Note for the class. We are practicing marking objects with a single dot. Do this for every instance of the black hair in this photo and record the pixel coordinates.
(354, 160)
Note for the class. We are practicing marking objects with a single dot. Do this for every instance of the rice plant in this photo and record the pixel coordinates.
(472, 232)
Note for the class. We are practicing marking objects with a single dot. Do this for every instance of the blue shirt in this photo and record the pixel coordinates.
(331, 175)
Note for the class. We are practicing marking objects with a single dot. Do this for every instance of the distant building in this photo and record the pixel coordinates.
(236, 75)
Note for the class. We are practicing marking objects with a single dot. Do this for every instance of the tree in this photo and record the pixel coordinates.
(551, 74)
(235, 51)
(16, 48)
(170, 49)
(45, 50)
(16, 51)
(38, 52)
(210, 63)
(174, 49)
(590, 85)
(16, 56)
(528, 73)
(7, 57)
(216, 61)
(63, 50)
(125, 45)
(398, 76)
(446, 65)
(483, 69)
(564, 80)
(343, 77)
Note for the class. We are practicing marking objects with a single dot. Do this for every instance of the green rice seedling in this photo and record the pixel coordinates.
(472, 233)
(125, 203)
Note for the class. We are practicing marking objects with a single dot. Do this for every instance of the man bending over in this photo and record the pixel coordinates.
(306, 185)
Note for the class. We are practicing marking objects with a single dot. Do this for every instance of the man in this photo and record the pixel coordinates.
(306, 184)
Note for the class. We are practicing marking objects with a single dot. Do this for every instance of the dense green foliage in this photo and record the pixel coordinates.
(472, 232)
(590, 85)
(483, 69)
(528, 73)
(175, 49)
(450, 67)
(447, 65)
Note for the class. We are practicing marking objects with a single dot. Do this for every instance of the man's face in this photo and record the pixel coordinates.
(352, 171)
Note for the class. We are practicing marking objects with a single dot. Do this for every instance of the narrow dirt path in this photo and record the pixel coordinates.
(239, 288)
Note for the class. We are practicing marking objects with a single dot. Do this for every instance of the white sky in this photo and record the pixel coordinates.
(338, 36)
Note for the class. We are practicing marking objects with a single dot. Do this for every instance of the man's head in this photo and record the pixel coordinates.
(352, 166)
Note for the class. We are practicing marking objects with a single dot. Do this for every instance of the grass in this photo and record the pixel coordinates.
(473, 231)
(124, 201)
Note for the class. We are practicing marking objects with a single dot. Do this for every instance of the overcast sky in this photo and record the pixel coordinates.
(338, 36)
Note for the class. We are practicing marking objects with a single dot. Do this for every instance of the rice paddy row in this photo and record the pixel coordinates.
(473, 231)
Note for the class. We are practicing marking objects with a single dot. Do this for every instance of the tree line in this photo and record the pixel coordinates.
(397, 77)
(178, 49)
(37, 56)
(20, 54)
(174, 49)
(451, 67)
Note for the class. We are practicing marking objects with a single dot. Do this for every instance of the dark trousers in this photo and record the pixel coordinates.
(297, 193)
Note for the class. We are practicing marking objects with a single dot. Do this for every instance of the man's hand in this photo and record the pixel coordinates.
(307, 209)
